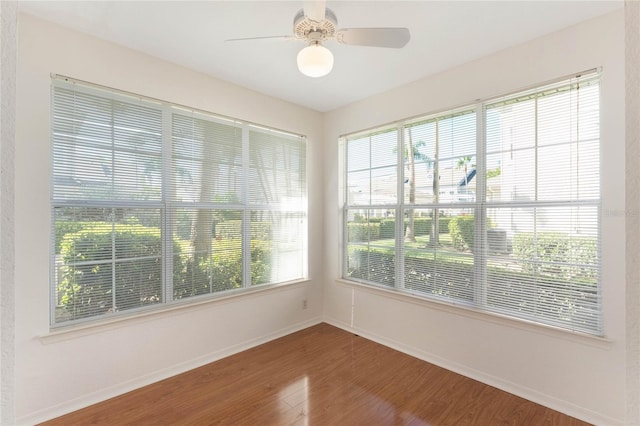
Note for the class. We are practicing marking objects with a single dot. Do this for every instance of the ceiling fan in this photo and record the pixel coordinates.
(315, 24)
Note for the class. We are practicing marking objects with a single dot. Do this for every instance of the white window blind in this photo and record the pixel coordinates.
(545, 204)
(152, 203)
(499, 206)
(436, 261)
(372, 198)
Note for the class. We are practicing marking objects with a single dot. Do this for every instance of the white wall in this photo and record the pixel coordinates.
(581, 376)
(59, 373)
(632, 210)
(8, 44)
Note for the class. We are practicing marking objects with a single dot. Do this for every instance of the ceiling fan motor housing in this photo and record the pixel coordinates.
(307, 29)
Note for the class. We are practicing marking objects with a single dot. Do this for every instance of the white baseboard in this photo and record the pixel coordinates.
(147, 379)
(560, 405)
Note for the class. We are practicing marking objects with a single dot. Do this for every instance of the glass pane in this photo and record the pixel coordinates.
(83, 291)
(569, 171)
(589, 113)
(557, 118)
(457, 180)
(277, 170)
(372, 172)
(423, 138)
(371, 246)
(105, 149)
(206, 161)
(543, 264)
(419, 166)
(569, 115)
(384, 185)
(216, 183)
(438, 247)
(376, 186)
(457, 136)
(138, 283)
(136, 176)
(207, 251)
(513, 177)
(278, 246)
(441, 166)
(384, 149)
(92, 242)
(426, 180)
(358, 154)
(136, 127)
(511, 127)
(359, 188)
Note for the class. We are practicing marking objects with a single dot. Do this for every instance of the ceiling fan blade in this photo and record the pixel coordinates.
(282, 37)
(375, 37)
(314, 10)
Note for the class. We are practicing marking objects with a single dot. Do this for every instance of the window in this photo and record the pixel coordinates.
(153, 203)
(494, 206)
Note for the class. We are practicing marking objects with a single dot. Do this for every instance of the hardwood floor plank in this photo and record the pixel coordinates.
(318, 376)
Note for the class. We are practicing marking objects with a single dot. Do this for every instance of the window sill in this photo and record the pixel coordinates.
(477, 314)
(62, 333)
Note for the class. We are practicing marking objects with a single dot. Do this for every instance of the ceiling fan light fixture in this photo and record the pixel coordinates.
(315, 60)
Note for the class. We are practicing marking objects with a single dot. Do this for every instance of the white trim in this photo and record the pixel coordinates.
(164, 373)
(8, 47)
(530, 394)
(167, 221)
(461, 107)
(246, 213)
(98, 326)
(100, 89)
(632, 218)
(485, 316)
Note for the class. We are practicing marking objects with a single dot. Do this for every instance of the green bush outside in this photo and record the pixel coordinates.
(387, 227)
(360, 218)
(64, 228)
(461, 229)
(572, 302)
(260, 262)
(421, 226)
(363, 231)
(557, 254)
(86, 285)
(222, 270)
(372, 264)
(86, 279)
(229, 229)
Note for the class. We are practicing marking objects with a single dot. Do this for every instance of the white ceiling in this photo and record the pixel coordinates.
(444, 34)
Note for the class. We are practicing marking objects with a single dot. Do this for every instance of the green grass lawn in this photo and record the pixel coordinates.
(421, 249)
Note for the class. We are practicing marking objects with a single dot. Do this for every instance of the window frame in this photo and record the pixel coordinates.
(480, 206)
(168, 206)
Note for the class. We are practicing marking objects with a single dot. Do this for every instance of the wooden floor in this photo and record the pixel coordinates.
(318, 376)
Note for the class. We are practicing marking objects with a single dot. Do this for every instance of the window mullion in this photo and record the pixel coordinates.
(345, 204)
(399, 254)
(114, 306)
(167, 209)
(114, 290)
(480, 214)
(534, 187)
(246, 212)
(127, 178)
